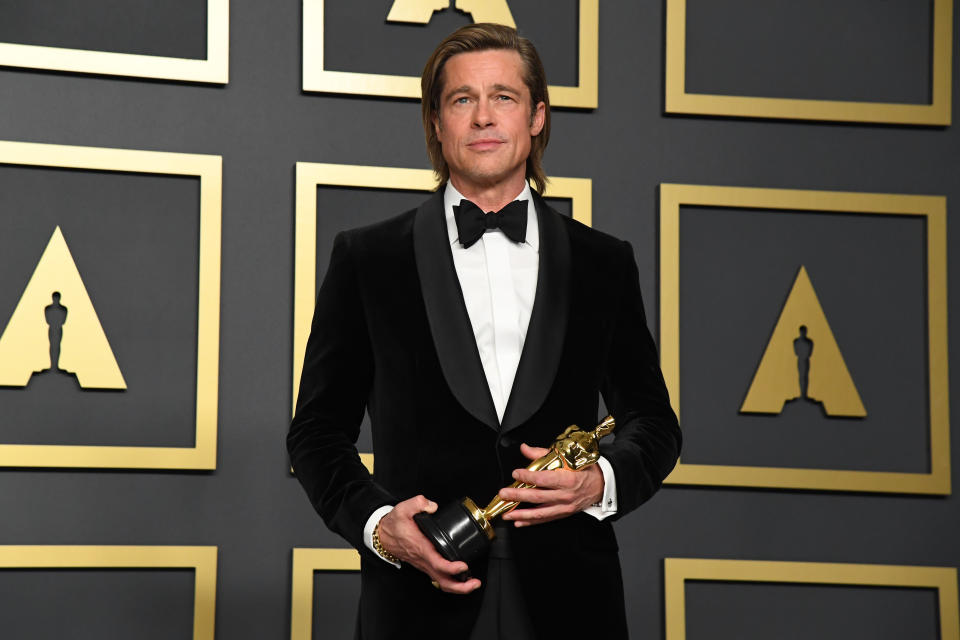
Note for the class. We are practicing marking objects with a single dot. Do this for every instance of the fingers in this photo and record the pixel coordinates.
(437, 565)
(401, 536)
(532, 453)
(559, 494)
(445, 573)
(554, 504)
(537, 496)
(556, 479)
(415, 505)
(540, 515)
(451, 585)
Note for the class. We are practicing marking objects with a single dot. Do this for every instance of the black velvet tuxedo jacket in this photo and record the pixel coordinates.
(391, 336)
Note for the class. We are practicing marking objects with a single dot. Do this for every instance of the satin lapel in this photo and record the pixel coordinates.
(548, 321)
(447, 314)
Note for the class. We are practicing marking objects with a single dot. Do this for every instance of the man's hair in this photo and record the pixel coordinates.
(483, 37)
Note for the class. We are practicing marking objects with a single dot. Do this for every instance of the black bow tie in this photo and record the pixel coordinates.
(472, 222)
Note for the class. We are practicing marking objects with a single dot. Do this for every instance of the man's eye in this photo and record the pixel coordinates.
(462, 100)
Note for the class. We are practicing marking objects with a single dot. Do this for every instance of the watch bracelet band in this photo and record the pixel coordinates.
(386, 555)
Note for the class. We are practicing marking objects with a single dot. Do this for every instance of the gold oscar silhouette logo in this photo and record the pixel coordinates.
(420, 11)
(802, 361)
(55, 327)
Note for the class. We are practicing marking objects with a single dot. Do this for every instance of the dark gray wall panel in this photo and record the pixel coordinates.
(818, 49)
(43, 604)
(335, 596)
(869, 272)
(134, 240)
(173, 28)
(360, 39)
(793, 612)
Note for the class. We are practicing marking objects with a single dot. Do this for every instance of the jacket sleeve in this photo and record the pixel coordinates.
(647, 438)
(336, 381)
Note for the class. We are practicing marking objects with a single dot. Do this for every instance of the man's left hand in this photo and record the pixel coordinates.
(558, 494)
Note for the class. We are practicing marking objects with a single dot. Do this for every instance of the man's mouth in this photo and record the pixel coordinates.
(485, 144)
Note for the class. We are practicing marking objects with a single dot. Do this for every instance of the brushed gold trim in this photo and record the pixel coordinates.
(209, 170)
(934, 210)
(317, 78)
(214, 69)
(305, 563)
(678, 570)
(203, 560)
(937, 113)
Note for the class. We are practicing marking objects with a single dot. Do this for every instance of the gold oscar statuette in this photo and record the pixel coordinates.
(461, 531)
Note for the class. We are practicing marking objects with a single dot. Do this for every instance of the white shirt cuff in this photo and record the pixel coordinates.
(608, 502)
(368, 528)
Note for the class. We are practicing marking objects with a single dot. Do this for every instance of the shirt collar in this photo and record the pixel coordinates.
(453, 197)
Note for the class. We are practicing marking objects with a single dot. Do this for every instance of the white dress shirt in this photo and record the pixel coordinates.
(498, 278)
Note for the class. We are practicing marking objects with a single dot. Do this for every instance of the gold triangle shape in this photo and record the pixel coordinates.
(777, 379)
(84, 349)
(421, 11)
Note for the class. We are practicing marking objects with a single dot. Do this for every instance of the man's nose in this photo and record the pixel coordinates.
(482, 115)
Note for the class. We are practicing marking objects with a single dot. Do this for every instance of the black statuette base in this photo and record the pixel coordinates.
(455, 534)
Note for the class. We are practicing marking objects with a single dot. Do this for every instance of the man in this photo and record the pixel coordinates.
(468, 336)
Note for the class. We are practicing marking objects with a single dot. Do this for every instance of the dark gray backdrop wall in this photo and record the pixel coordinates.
(262, 123)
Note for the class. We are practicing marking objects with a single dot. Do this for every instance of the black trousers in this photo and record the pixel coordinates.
(504, 614)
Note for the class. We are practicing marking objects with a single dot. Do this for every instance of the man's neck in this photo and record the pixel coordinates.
(490, 197)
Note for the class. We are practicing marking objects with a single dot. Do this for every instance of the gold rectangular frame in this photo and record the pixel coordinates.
(934, 210)
(318, 78)
(214, 69)
(203, 560)
(305, 563)
(937, 113)
(209, 169)
(678, 570)
(310, 175)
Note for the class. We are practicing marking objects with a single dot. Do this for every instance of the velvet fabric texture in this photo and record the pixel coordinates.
(391, 336)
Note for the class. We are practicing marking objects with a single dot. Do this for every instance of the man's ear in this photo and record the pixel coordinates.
(436, 124)
(537, 118)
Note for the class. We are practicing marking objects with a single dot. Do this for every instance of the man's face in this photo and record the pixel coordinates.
(485, 122)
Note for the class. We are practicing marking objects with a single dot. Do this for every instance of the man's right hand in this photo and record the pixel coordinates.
(401, 536)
